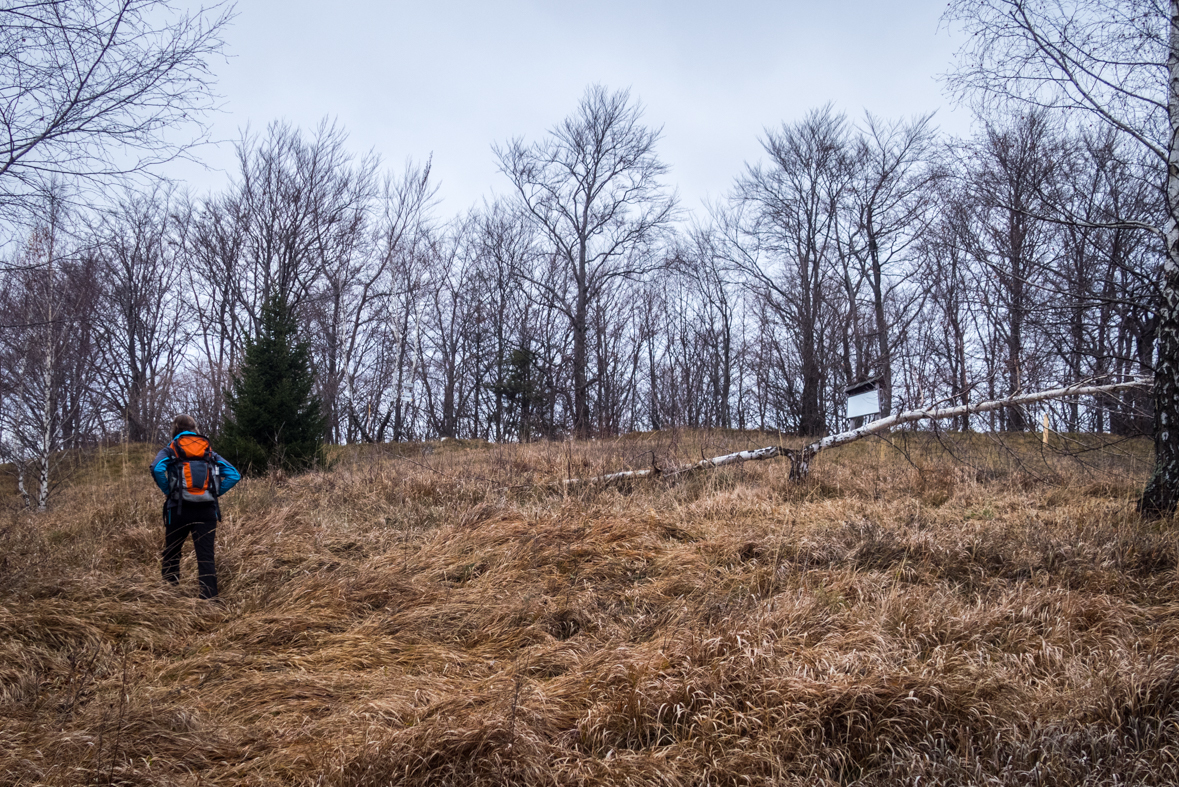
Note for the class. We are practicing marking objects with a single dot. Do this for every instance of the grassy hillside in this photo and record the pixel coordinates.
(445, 614)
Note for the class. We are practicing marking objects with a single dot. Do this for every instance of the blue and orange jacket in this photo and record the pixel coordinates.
(159, 470)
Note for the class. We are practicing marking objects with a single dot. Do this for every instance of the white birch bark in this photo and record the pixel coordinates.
(46, 419)
(1162, 491)
(46, 446)
(800, 459)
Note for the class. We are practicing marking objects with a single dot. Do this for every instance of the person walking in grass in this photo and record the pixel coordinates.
(192, 477)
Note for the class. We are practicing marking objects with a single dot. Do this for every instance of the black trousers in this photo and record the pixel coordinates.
(201, 521)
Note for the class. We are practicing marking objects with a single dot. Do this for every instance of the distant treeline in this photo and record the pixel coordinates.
(586, 301)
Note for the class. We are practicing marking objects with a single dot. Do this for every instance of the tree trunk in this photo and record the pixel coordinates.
(726, 375)
(581, 428)
(1160, 496)
(883, 339)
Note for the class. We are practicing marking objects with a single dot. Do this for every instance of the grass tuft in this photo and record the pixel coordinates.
(923, 612)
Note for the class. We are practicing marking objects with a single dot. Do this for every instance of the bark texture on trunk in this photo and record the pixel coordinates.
(1162, 491)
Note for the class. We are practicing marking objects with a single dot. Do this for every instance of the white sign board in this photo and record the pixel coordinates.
(867, 403)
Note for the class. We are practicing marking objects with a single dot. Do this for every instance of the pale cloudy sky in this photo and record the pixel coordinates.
(451, 77)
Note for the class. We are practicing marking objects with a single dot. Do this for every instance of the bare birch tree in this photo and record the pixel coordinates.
(1115, 62)
(48, 303)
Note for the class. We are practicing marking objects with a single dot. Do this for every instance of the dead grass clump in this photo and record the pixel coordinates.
(474, 748)
(451, 614)
(935, 487)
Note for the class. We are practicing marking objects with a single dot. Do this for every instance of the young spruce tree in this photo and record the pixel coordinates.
(274, 420)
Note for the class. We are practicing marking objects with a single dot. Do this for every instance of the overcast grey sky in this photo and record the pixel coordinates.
(452, 77)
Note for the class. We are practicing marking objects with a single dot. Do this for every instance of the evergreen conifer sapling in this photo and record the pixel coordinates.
(274, 418)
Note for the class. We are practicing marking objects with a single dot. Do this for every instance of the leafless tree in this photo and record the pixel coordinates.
(302, 201)
(593, 189)
(92, 90)
(507, 246)
(385, 358)
(48, 304)
(894, 170)
(782, 239)
(452, 331)
(1017, 171)
(144, 320)
(1104, 286)
(696, 338)
(358, 316)
(951, 309)
(1115, 62)
(616, 358)
(344, 254)
(212, 238)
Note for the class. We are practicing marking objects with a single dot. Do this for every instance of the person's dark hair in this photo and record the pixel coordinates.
(183, 423)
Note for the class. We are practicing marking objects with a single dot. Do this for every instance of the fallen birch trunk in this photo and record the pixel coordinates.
(800, 459)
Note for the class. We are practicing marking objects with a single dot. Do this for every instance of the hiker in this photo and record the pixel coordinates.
(192, 477)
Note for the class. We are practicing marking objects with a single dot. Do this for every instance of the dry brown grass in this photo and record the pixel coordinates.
(444, 614)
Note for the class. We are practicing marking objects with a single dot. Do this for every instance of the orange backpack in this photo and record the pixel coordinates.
(193, 476)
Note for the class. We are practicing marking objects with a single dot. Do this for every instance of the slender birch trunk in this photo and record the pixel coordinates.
(46, 446)
(46, 417)
(1162, 492)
